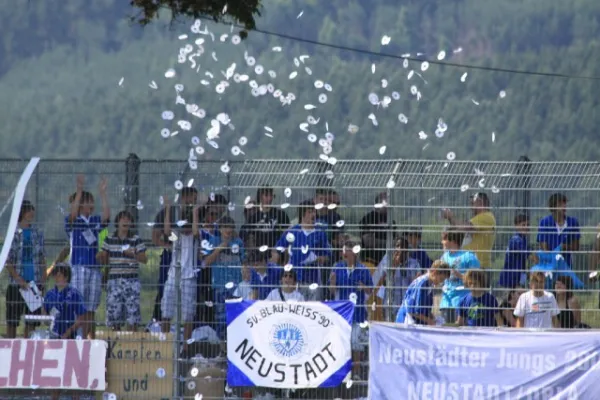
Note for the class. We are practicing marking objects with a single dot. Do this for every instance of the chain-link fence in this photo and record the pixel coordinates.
(399, 197)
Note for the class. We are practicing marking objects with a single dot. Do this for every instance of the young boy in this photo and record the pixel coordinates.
(350, 276)
(264, 276)
(123, 252)
(185, 252)
(418, 300)
(65, 304)
(310, 249)
(537, 308)
(83, 228)
(515, 262)
(26, 263)
(288, 290)
(414, 236)
(478, 308)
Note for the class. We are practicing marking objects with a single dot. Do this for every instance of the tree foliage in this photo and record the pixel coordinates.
(60, 66)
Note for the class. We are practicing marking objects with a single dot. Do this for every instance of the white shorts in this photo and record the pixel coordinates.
(88, 281)
(188, 299)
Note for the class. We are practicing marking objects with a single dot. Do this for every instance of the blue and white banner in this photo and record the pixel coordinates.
(422, 363)
(288, 345)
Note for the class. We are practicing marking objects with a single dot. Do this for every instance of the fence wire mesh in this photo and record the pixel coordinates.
(415, 193)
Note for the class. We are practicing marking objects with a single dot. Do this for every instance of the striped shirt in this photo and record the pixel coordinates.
(119, 263)
(35, 249)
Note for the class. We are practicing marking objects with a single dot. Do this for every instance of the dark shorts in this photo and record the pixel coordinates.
(16, 307)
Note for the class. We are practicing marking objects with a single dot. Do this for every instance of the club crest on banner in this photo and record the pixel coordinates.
(288, 344)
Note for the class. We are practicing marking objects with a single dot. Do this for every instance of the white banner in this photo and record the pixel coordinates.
(288, 345)
(53, 364)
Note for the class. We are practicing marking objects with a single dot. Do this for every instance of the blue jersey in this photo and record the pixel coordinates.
(418, 299)
(83, 235)
(307, 246)
(515, 262)
(454, 288)
(65, 305)
(478, 311)
(264, 284)
(422, 257)
(347, 282)
(550, 234)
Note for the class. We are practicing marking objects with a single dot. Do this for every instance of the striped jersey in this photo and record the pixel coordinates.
(119, 263)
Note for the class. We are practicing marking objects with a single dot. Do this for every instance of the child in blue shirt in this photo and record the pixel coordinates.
(514, 273)
(83, 228)
(65, 304)
(264, 277)
(478, 308)
(460, 262)
(310, 249)
(418, 299)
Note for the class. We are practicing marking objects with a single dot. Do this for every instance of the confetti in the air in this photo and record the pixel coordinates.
(385, 40)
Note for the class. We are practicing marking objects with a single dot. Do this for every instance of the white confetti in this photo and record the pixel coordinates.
(493, 137)
(424, 66)
(495, 189)
(168, 115)
(402, 118)
(225, 168)
(160, 373)
(382, 150)
(121, 81)
(293, 75)
(502, 94)
(322, 98)
(373, 68)
(313, 286)
(385, 40)
(299, 15)
(422, 135)
(170, 73)
(463, 78)
(451, 156)
(464, 188)
(356, 249)
(441, 55)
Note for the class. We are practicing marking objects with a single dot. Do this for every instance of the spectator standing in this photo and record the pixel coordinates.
(308, 250)
(374, 231)
(537, 308)
(417, 304)
(514, 273)
(225, 261)
(479, 307)
(559, 229)
(26, 264)
(480, 230)
(347, 278)
(404, 270)
(288, 290)
(414, 236)
(327, 217)
(267, 223)
(460, 261)
(83, 228)
(568, 304)
(187, 198)
(123, 252)
(264, 276)
(185, 257)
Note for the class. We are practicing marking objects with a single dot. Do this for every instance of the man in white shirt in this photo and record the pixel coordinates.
(288, 290)
(537, 308)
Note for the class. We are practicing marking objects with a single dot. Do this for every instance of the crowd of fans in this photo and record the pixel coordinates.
(205, 260)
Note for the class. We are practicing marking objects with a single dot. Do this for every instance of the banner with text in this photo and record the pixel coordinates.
(288, 345)
(52, 364)
(422, 363)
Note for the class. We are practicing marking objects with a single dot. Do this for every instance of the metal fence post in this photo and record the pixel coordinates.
(132, 186)
(523, 193)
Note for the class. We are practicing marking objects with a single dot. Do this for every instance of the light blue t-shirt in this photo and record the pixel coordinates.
(454, 290)
(27, 257)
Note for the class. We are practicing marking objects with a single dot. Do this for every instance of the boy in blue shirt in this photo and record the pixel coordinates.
(350, 276)
(558, 229)
(414, 236)
(83, 228)
(264, 277)
(478, 308)
(65, 304)
(309, 249)
(418, 299)
(514, 273)
(460, 262)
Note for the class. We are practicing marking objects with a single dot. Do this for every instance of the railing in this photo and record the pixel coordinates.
(415, 191)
